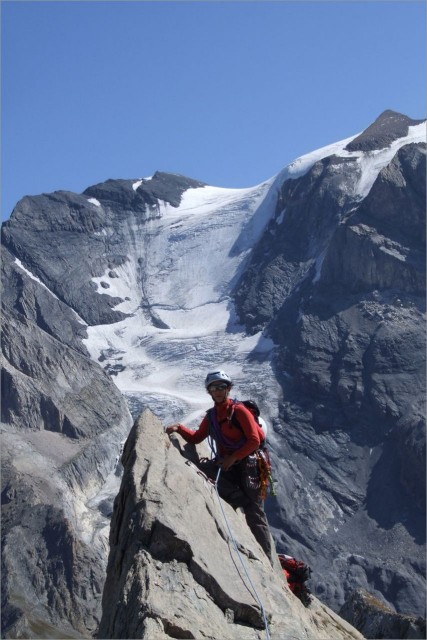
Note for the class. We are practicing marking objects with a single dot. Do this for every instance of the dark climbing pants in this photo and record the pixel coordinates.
(232, 487)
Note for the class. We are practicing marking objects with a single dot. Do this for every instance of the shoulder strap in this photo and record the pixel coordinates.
(233, 418)
(219, 437)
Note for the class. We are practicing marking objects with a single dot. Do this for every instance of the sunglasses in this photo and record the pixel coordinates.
(218, 387)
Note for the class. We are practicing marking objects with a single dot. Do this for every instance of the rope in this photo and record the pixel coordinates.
(258, 599)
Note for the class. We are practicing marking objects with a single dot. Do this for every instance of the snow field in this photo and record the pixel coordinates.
(181, 271)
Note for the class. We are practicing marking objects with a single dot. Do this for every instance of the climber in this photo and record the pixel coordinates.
(236, 441)
(296, 573)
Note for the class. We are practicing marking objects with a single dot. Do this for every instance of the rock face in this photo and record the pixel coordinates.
(338, 281)
(375, 620)
(173, 571)
(59, 446)
(82, 239)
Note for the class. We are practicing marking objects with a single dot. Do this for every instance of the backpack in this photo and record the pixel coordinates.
(297, 573)
(254, 409)
(263, 459)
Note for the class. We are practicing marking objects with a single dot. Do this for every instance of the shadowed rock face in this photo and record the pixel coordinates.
(87, 235)
(59, 445)
(173, 570)
(339, 284)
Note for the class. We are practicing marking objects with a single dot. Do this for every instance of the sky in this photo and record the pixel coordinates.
(227, 93)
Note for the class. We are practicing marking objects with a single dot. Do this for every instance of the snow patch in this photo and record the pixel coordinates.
(303, 164)
(257, 343)
(136, 185)
(33, 277)
(94, 201)
(371, 163)
(281, 217)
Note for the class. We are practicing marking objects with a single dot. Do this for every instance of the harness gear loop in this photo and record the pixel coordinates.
(264, 467)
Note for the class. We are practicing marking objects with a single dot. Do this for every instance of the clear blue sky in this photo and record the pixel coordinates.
(225, 92)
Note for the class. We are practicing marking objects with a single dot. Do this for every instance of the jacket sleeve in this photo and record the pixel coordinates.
(251, 431)
(194, 437)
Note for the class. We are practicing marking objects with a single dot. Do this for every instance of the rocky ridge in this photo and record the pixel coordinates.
(173, 570)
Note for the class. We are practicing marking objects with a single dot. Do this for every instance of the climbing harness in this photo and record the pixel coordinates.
(264, 468)
(254, 591)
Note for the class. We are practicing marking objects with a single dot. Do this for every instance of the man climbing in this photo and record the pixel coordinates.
(237, 437)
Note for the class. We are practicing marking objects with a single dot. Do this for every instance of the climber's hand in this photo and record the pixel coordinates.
(173, 428)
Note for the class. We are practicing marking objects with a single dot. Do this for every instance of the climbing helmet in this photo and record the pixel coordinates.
(218, 376)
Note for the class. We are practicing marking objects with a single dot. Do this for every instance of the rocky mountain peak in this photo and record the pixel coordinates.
(389, 126)
(139, 193)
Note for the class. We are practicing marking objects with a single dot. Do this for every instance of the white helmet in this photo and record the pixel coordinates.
(217, 376)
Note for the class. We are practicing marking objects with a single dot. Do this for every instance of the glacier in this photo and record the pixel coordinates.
(176, 288)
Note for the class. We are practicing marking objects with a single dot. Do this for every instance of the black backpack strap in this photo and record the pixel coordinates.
(233, 418)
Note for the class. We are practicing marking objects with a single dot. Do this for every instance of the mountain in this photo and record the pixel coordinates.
(309, 289)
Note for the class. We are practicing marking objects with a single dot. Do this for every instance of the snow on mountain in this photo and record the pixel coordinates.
(176, 287)
(94, 201)
(181, 321)
(368, 164)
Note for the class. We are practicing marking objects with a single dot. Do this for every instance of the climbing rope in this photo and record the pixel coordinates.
(254, 591)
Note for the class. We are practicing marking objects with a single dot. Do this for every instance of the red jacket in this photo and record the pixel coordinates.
(223, 412)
